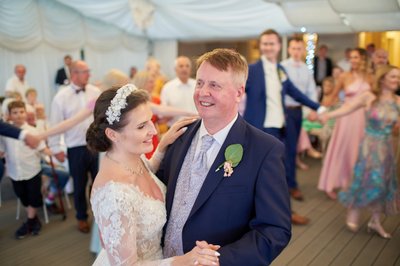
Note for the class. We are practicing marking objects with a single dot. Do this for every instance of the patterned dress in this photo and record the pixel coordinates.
(374, 182)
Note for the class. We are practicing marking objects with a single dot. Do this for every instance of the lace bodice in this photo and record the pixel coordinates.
(130, 224)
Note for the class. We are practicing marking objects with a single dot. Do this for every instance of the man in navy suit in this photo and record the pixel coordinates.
(63, 74)
(248, 212)
(11, 131)
(266, 87)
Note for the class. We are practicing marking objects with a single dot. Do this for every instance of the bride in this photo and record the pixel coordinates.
(127, 199)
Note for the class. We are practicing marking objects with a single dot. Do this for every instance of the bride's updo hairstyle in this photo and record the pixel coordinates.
(95, 135)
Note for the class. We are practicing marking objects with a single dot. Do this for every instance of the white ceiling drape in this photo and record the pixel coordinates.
(38, 33)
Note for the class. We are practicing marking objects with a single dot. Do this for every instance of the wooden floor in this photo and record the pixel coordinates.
(325, 241)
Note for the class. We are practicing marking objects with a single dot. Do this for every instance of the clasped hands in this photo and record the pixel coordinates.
(322, 116)
(203, 254)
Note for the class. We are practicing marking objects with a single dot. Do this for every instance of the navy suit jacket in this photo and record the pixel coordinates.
(329, 68)
(61, 76)
(256, 107)
(8, 130)
(248, 213)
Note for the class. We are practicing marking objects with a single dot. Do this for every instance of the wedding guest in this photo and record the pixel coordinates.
(23, 167)
(11, 96)
(379, 58)
(64, 73)
(374, 183)
(114, 78)
(178, 92)
(132, 72)
(265, 89)
(370, 49)
(322, 65)
(344, 63)
(348, 131)
(332, 102)
(302, 78)
(17, 83)
(126, 188)
(70, 100)
(31, 103)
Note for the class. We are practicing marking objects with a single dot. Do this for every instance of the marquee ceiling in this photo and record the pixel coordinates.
(210, 19)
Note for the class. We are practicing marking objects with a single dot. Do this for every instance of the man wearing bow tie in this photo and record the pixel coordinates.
(68, 101)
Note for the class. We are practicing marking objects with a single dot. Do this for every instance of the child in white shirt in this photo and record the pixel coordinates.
(23, 167)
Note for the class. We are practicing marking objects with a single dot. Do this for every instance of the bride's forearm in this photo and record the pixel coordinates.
(67, 124)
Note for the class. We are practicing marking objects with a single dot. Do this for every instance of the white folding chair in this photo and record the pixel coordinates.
(46, 217)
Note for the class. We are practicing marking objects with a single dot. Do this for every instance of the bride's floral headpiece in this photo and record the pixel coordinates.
(118, 103)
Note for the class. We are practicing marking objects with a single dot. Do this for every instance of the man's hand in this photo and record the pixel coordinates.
(31, 140)
(60, 156)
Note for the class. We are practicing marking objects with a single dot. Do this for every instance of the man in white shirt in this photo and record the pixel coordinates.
(179, 91)
(344, 63)
(17, 82)
(23, 167)
(68, 101)
(302, 78)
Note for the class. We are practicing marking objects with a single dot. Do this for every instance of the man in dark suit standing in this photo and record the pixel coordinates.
(244, 206)
(322, 65)
(63, 74)
(266, 88)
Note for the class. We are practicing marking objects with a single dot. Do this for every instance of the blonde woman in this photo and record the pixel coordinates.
(374, 184)
(341, 155)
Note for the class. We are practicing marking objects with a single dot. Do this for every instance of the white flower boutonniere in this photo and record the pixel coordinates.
(233, 156)
(282, 75)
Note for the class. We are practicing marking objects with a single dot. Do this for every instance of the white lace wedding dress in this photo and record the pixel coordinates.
(130, 223)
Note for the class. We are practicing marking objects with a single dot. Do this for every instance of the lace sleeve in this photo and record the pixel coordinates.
(113, 210)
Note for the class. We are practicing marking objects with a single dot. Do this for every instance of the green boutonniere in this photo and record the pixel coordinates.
(282, 75)
(233, 156)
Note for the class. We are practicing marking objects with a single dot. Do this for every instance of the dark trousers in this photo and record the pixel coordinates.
(1, 168)
(294, 117)
(81, 162)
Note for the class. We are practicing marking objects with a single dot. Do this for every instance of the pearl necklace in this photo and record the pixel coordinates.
(140, 167)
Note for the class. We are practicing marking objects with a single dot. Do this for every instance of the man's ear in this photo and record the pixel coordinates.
(111, 134)
(240, 93)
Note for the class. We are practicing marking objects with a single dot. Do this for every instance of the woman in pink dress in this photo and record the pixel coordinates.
(341, 155)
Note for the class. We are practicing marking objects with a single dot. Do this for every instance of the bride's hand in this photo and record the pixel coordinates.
(176, 130)
(204, 244)
(198, 256)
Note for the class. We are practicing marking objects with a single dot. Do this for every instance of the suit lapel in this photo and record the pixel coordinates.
(235, 135)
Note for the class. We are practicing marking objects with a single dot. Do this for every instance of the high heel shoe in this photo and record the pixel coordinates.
(314, 153)
(377, 228)
(352, 220)
(352, 227)
(332, 195)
